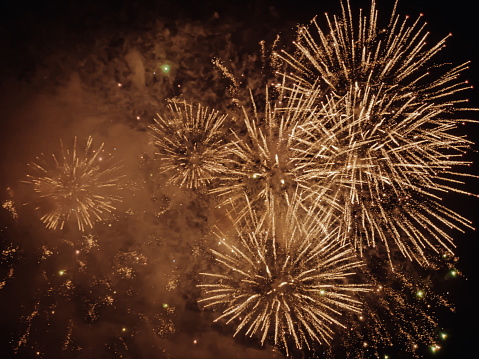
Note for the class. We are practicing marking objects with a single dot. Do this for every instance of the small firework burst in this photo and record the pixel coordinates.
(190, 144)
(284, 278)
(79, 185)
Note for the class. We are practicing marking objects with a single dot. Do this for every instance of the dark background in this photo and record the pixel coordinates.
(30, 31)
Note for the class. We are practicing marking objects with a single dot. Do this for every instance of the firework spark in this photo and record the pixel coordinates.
(79, 185)
(190, 144)
(384, 139)
(284, 278)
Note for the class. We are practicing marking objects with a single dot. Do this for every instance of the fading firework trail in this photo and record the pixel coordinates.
(384, 139)
(189, 143)
(79, 185)
(283, 279)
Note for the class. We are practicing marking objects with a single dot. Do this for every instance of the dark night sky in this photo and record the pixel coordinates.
(31, 32)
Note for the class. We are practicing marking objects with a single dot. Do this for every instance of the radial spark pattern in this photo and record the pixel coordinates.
(384, 136)
(283, 279)
(388, 176)
(79, 184)
(271, 161)
(190, 144)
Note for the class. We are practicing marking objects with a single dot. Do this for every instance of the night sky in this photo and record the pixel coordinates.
(127, 289)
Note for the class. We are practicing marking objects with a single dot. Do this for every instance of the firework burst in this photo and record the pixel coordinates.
(388, 176)
(271, 160)
(284, 279)
(190, 144)
(79, 185)
(384, 140)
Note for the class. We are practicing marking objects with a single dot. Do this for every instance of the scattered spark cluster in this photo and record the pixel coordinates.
(79, 184)
(82, 281)
(398, 301)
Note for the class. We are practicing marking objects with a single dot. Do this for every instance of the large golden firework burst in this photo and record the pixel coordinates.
(384, 139)
(271, 160)
(283, 278)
